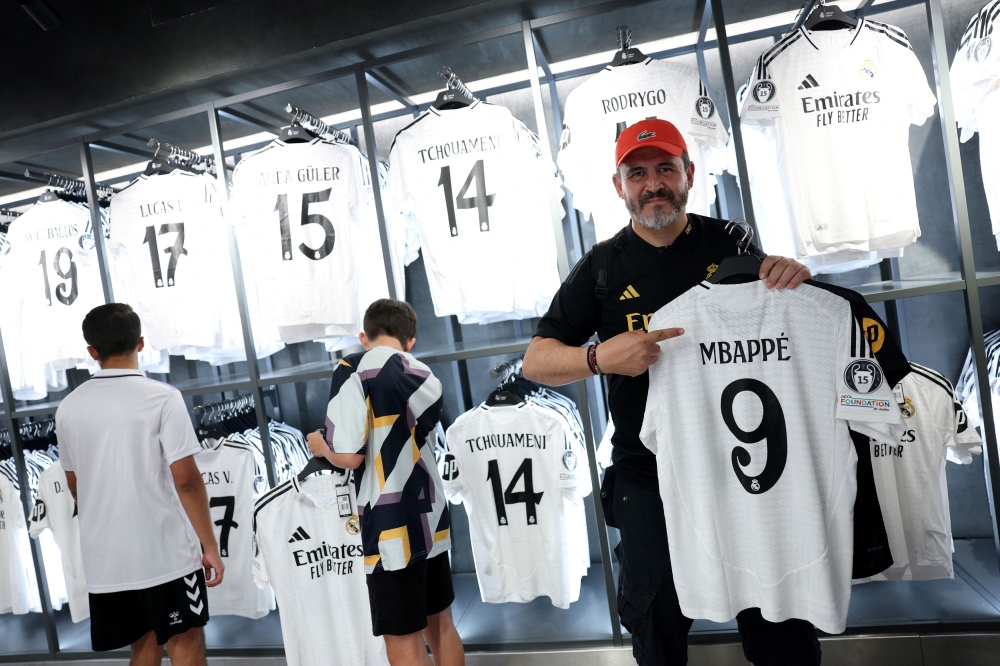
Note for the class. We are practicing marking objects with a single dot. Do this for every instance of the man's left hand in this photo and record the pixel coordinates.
(783, 272)
(317, 444)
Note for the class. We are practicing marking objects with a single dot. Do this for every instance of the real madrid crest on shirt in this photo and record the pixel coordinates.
(353, 525)
(868, 69)
(907, 409)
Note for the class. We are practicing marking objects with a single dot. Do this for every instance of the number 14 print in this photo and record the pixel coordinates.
(481, 201)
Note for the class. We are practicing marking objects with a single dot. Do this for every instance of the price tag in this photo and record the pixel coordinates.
(344, 501)
(897, 393)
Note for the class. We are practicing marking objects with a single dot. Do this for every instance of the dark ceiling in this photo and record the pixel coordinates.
(110, 63)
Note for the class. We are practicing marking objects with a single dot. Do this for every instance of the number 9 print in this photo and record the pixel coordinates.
(772, 428)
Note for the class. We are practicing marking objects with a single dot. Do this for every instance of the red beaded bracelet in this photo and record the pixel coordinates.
(592, 360)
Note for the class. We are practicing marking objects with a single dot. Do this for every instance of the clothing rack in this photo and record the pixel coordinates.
(315, 125)
(178, 154)
(507, 371)
(455, 83)
(76, 188)
(210, 413)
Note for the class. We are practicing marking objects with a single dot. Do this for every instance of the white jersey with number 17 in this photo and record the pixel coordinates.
(748, 415)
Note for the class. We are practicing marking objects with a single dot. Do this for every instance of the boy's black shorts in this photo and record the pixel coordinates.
(402, 600)
(118, 619)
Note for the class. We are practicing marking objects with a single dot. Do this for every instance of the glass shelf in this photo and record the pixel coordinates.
(911, 287)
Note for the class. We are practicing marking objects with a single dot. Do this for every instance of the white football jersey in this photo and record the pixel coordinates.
(18, 585)
(314, 559)
(229, 474)
(476, 185)
(522, 480)
(55, 509)
(168, 240)
(748, 415)
(58, 281)
(910, 476)
(836, 98)
(307, 227)
(975, 78)
(605, 104)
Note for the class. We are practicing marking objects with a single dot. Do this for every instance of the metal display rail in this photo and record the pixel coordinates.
(966, 280)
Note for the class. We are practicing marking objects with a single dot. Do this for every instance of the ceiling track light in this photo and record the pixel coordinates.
(42, 12)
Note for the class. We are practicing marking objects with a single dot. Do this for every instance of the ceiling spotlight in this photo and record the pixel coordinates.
(43, 13)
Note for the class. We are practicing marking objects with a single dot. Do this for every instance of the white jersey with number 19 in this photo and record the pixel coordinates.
(748, 415)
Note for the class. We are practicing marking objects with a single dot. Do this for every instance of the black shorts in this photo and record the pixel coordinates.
(118, 619)
(402, 600)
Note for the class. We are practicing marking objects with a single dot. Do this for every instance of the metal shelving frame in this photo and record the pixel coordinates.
(365, 73)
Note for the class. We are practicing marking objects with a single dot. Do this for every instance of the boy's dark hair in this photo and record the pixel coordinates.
(389, 317)
(113, 330)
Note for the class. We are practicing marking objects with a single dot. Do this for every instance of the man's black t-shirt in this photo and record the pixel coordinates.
(643, 280)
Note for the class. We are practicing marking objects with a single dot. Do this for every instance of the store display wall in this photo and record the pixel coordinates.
(936, 334)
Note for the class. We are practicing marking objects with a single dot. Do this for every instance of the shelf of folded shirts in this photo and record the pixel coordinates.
(36, 409)
(911, 287)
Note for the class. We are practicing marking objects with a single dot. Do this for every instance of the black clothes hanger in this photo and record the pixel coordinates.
(507, 393)
(829, 17)
(626, 55)
(295, 133)
(48, 195)
(317, 465)
(743, 266)
(456, 96)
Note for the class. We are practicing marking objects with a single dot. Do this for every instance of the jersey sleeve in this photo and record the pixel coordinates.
(261, 578)
(963, 441)
(908, 74)
(39, 514)
(762, 102)
(177, 436)
(864, 395)
(347, 412)
(451, 474)
(573, 314)
(65, 446)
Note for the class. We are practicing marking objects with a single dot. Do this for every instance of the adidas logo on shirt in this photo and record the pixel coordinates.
(299, 535)
(629, 293)
(808, 82)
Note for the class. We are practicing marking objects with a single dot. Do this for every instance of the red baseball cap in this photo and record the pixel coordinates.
(650, 132)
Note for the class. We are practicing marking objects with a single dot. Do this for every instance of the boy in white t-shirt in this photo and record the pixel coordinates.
(127, 445)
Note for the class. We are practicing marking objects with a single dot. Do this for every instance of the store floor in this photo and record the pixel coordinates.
(969, 603)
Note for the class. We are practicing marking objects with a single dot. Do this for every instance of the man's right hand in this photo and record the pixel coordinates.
(631, 353)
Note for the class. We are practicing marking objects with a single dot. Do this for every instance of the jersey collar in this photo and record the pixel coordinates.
(857, 31)
(118, 372)
(447, 112)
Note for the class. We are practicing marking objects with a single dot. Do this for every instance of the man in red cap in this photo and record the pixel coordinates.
(613, 291)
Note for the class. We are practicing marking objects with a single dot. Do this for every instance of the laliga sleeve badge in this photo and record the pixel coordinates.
(569, 460)
(764, 91)
(863, 376)
(907, 409)
(353, 525)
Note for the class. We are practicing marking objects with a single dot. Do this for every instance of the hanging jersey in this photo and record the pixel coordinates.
(168, 240)
(230, 479)
(55, 509)
(477, 186)
(911, 480)
(605, 104)
(836, 98)
(522, 480)
(748, 415)
(58, 280)
(18, 586)
(312, 556)
(305, 218)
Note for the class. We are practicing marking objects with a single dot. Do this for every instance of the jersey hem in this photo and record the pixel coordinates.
(144, 585)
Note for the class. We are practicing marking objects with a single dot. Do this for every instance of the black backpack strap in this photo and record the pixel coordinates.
(603, 262)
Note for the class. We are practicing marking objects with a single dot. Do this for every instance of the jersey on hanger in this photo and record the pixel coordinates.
(311, 554)
(843, 101)
(229, 476)
(306, 223)
(18, 586)
(748, 415)
(55, 509)
(168, 241)
(520, 476)
(477, 186)
(911, 480)
(605, 104)
(58, 280)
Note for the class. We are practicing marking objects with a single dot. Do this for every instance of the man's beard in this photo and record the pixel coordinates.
(660, 219)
